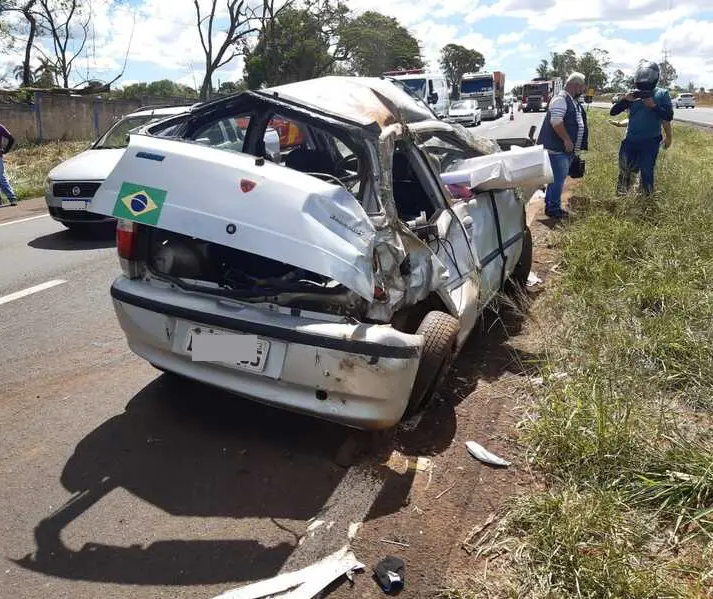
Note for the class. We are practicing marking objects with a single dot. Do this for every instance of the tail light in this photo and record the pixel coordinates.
(126, 239)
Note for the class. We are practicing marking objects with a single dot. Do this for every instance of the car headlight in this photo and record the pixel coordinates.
(490, 107)
(48, 186)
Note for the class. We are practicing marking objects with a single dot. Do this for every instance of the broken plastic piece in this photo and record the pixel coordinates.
(480, 453)
(518, 167)
(532, 280)
(390, 574)
(302, 584)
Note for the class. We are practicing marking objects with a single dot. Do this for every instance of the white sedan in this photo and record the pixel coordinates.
(339, 283)
(465, 112)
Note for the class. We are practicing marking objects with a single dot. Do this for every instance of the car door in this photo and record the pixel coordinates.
(493, 221)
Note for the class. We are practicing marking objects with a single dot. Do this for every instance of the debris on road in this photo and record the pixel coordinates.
(533, 279)
(442, 493)
(406, 545)
(480, 453)
(390, 574)
(302, 584)
(471, 544)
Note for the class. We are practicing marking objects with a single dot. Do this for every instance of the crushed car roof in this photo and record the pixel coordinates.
(364, 100)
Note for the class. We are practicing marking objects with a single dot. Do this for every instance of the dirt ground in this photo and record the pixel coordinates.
(451, 493)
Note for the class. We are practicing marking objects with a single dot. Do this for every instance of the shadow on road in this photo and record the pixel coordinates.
(69, 241)
(192, 451)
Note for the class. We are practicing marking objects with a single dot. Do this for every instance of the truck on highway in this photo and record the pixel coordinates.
(432, 88)
(487, 89)
(536, 94)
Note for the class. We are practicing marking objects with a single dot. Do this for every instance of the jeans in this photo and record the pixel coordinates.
(638, 155)
(5, 183)
(560, 169)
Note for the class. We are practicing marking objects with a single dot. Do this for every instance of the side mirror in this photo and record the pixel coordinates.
(531, 134)
(433, 98)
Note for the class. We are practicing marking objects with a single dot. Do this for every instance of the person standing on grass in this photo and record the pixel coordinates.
(650, 109)
(563, 134)
(4, 181)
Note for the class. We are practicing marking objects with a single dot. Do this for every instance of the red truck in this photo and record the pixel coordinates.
(536, 94)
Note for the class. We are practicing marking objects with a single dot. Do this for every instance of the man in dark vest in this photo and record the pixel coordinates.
(563, 134)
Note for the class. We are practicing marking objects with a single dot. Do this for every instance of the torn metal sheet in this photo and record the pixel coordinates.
(518, 167)
(363, 99)
(302, 584)
(480, 453)
(282, 214)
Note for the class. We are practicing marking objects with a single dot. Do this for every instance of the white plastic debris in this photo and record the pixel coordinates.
(302, 584)
(533, 279)
(518, 167)
(480, 453)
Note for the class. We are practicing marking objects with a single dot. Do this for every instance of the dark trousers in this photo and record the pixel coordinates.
(638, 156)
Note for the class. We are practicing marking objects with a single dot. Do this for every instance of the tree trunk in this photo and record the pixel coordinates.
(26, 67)
(207, 86)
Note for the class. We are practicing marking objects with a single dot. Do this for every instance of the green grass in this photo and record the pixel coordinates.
(27, 166)
(623, 434)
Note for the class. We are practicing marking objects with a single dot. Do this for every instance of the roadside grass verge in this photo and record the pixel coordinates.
(621, 430)
(27, 166)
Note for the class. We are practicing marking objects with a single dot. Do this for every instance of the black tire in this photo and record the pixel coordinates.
(440, 332)
(524, 264)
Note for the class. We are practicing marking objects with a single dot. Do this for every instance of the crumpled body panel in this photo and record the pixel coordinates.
(227, 198)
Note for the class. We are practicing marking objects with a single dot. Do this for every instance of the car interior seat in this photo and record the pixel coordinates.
(310, 161)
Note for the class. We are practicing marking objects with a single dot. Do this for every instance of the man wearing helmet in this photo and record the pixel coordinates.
(650, 109)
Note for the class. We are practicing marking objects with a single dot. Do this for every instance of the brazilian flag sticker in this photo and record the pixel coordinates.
(139, 203)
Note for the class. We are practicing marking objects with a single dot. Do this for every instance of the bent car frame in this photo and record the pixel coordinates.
(341, 282)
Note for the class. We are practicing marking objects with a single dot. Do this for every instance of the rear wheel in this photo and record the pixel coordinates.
(440, 333)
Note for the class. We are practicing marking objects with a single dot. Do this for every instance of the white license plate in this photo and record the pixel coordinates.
(74, 204)
(247, 352)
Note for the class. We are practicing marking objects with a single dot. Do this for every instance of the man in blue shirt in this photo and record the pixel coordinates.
(649, 108)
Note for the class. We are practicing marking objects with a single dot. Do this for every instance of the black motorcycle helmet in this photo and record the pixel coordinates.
(646, 76)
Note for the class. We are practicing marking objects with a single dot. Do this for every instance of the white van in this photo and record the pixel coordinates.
(432, 88)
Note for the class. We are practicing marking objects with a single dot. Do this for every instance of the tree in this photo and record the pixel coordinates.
(232, 87)
(457, 60)
(619, 82)
(44, 75)
(298, 44)
(563, 64)
(239, 18)
(517, 91)
(375, 43)
(543, 70)
(66, 23)
(593, 66)
(164, 88)
(691, 86)
(668, 74)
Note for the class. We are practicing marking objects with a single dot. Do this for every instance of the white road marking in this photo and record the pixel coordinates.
(30, 290)
(23, 220)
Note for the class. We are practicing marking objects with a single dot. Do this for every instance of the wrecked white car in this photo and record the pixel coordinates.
(339, 283)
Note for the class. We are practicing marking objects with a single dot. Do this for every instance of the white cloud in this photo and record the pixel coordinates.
(510, 38)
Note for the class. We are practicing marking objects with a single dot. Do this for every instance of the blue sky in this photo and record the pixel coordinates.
(513, 35)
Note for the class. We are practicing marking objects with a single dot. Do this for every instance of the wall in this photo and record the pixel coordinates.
(58, 117)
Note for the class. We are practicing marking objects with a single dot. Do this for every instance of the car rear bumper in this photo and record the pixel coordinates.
(357, 375)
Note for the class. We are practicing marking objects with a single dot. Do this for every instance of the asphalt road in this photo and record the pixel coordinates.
(117, 481)
(699, 115)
